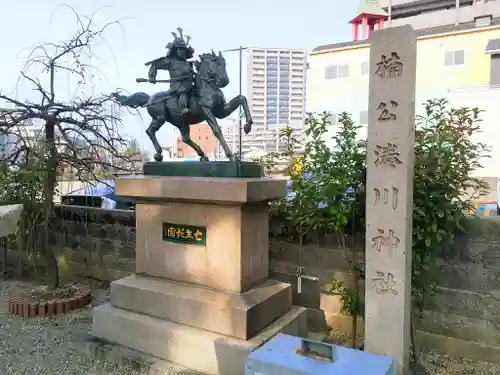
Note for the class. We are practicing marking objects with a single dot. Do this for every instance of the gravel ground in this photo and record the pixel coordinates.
(437, 363)
(44, 346)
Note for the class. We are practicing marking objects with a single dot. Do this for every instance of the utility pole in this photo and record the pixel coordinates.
(389, 11)
(240, 50)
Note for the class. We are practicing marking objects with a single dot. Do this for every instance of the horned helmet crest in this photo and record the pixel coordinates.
(180, 40)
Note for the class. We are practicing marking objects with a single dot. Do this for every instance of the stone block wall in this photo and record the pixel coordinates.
(94, 242)
(464, 320)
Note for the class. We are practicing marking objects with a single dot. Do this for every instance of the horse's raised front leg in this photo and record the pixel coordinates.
(233, 105)
(186, 138)
(212, 122)
(154, 126)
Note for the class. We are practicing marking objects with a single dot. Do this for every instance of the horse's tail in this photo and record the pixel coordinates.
(139, 99)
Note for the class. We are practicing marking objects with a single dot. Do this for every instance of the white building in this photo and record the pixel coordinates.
(258, 142)
(459, 62)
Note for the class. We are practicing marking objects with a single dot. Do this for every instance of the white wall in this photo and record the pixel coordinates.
(65, 187)
(485, 98)
(488, 100)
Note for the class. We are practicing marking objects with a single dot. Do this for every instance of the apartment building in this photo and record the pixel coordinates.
(202, 135)
(423, 14)
(28, 133)
(276, 93)
(460, 62)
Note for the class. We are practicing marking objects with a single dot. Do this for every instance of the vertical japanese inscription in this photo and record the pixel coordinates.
(385, 240)
(384, 283)
(387, 154)
(384, 198)
(389, 193)
(385, 113)
(389, 67)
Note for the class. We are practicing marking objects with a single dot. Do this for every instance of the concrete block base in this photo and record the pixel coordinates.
(194, 348)
(236, 315)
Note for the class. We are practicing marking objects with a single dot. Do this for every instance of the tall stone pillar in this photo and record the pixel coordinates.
(389, 193)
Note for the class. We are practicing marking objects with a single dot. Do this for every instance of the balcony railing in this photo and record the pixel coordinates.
(473, 88)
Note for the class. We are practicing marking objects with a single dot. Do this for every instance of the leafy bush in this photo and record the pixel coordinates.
(446, 155)
(322, 197)
(24, 185)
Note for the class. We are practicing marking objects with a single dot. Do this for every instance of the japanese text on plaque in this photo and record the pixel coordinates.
(185, 234)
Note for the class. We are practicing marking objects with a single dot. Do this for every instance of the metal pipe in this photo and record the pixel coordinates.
(240, 109)
(389, 11)
(457, 10)
(240, 49)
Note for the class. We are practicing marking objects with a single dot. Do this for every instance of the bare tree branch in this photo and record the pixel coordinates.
(81, 135)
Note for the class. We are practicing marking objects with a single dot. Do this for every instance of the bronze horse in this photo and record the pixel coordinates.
(206, 103)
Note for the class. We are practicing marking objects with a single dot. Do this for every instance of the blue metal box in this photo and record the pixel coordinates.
(290, 355)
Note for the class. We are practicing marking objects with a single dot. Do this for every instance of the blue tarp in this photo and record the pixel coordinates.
(100, 189)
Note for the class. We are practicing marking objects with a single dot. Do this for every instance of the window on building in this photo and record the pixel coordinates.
(454, 58)
(333, 118)
(365, 67)
(337, 71)
(363, 118)
(495, 70)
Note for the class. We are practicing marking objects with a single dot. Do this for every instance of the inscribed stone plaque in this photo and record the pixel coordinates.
(185, 234)
(389, 198)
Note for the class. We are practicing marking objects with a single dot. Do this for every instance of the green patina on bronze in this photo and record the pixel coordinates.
(185, 234)
(204, 169)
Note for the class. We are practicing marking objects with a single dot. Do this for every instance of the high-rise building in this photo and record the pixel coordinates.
(276, 93)
(276, 86)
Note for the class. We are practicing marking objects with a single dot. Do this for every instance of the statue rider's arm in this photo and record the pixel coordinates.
(163, 64)
(153, 71)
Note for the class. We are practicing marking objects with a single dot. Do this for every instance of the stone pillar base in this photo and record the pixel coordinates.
(240, 316)
(194, 348)
(201, 297)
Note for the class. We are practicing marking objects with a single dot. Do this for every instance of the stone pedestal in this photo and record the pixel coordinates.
(201, 296)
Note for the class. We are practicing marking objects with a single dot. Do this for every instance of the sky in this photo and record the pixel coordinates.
(145, 29)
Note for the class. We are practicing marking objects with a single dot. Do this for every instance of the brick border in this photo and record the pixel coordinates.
(25, 307)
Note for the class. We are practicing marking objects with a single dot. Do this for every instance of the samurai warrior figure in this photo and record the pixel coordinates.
(181, 70)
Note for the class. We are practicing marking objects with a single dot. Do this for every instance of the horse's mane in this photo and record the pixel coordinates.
(197, 65)
(204, 56)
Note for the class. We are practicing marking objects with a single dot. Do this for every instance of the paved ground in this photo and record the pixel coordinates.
(46, 346)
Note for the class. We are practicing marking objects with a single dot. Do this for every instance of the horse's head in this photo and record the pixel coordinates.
(213, 67)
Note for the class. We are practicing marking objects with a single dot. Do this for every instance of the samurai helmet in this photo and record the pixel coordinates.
(180, 41)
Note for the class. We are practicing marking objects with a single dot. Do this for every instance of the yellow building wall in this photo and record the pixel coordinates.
(432, 74)
(321, 90)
